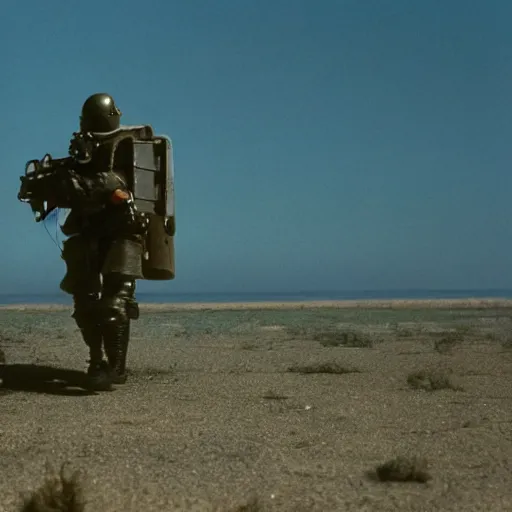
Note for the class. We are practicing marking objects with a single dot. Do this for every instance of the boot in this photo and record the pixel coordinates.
(99, 377)
(116, 337)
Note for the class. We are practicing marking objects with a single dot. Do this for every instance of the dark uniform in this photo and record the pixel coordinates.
(103, 253)
(107, 241)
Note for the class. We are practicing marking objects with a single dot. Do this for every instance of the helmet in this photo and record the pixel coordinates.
(100, 114)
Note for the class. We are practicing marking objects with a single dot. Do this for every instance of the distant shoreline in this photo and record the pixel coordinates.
(469, 303)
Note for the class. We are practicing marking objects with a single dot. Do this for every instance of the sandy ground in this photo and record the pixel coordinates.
(212, 417)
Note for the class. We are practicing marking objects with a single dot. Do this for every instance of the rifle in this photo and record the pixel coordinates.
(43, 178)
(41, 181)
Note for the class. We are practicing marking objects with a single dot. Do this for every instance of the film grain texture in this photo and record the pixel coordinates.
(300, 408)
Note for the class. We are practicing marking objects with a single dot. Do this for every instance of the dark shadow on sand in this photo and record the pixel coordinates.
(43, 379)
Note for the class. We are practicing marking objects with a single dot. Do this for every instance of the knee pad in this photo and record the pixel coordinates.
(118, 304)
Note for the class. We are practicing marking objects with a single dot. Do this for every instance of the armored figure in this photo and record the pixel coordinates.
(118, 185)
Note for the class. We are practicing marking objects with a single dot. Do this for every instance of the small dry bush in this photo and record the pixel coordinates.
(502, 333)
(247, 345)
(506, 342)
(447, 342)
(404, 469)
(59, 493)
(272, 395)
(431, 380)
(402, 332)
(334, 368)
(251, 505)
(332, 337)
(343, 339)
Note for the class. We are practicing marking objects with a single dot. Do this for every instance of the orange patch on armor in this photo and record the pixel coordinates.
(119, 196)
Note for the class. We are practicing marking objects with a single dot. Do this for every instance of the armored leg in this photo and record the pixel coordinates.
(85, 315)
(83, 282)
(118, 308)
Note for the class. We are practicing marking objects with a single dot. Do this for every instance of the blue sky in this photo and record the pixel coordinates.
(318, 145)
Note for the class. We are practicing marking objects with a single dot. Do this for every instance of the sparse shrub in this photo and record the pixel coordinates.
(248, 346)
(342, 338)
(334, 368)
(296, 332)
(404, 333)
(6, 338)
(502, 334)
(506, 341)
(59, 493)
(447, 342)
(507, 344)
(431, 381)
(272, 395)
(400, 331)
(332, 337)
(404, 469)
(251, 505)
(464, 330)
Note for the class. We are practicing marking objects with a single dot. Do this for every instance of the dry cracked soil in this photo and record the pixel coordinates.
(270, 409)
